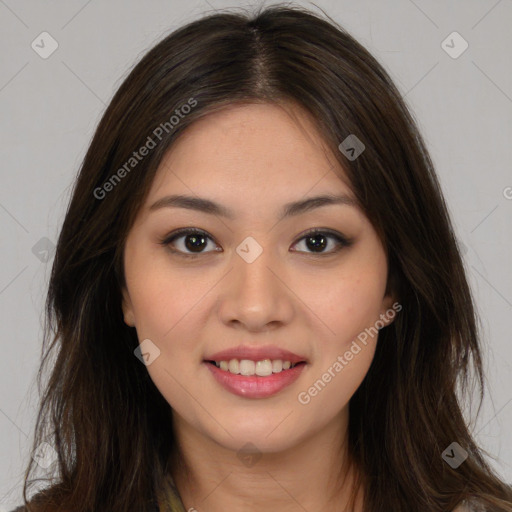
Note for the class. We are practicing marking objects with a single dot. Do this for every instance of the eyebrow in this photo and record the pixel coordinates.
(208, 206)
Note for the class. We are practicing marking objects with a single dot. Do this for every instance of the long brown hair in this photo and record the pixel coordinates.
(106, 420)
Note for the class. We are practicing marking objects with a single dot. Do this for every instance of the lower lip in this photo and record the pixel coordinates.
(254, 386)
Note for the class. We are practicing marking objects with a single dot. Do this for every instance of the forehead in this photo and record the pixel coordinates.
(253, 152)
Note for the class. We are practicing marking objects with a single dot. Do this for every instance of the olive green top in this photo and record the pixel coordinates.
(171, 502)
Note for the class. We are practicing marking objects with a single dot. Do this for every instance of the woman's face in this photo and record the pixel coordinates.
(255, 279)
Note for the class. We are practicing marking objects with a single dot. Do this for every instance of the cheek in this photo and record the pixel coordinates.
(348, 303)
(170, 309)
(154, 307)
(161, 297)
(344, 354)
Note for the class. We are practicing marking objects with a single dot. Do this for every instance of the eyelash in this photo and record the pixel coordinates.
(168, 240)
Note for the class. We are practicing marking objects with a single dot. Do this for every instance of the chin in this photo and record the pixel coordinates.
(267, 436)
(257, 443)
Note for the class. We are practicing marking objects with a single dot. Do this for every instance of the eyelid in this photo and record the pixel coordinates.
(343, 241)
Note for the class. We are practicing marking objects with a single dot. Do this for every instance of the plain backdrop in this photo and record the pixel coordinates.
(49, 108)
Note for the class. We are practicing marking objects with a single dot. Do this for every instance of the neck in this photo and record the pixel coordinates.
(314, 474)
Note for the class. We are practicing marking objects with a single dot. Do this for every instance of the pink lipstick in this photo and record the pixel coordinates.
(255, 372)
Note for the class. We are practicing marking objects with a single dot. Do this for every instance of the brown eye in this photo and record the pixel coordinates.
(188, 242)
(195, 242)
(318, 239)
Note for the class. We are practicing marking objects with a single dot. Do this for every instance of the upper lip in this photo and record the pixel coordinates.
(254, 353)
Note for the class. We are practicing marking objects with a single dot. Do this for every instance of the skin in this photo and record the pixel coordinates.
(253, 159)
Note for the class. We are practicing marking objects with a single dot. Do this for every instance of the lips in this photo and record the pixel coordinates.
(253, 387)
(258, 353)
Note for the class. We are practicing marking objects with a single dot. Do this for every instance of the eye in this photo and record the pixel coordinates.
(196, 240)
(318, 239)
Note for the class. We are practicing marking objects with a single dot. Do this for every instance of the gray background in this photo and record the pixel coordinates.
(50, 107)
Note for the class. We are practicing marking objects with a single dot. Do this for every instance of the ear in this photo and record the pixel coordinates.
(389, 309)
(129, 317)
(391, 302)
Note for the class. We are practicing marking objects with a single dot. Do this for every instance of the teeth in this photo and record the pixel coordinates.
(234, 366)
(264, 368)
(247, 367)
(261, 368)
(277, 365)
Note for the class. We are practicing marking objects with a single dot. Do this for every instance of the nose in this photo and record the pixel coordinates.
(256, 296)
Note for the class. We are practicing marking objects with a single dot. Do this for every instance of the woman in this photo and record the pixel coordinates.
(257, 301)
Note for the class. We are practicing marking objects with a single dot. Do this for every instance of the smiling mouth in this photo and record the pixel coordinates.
(261, 368)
